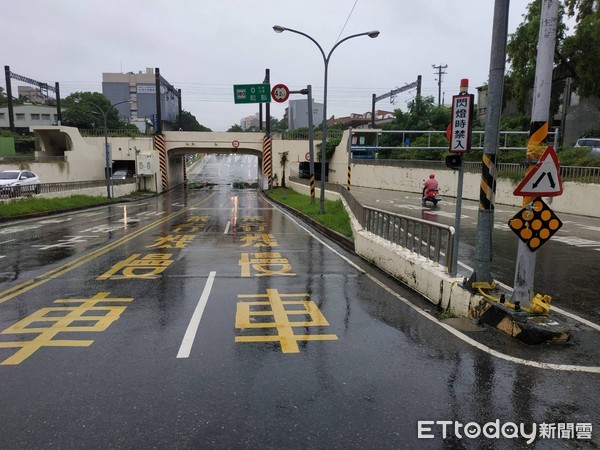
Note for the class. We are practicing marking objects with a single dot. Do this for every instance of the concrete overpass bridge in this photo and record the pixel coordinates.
(159, 160)
(177, 144)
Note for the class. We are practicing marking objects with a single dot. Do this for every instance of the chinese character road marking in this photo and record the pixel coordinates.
(148, 267)
(259, 240)
(170, 241)
(267, 263)
(63, 318)
(249, 314)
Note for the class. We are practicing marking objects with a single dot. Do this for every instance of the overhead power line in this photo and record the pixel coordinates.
(346, 23)
(440, 72)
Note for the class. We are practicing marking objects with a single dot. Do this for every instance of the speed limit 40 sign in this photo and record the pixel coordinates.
(280, 93)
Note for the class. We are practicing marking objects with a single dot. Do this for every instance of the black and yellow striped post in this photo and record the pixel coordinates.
(349, 176)
(184, 162)
(482, 260)
(312, 188)
(487, 191)
(161, 148)
(268, 159)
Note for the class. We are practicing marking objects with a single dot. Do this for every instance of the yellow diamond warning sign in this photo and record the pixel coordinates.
(535, 224)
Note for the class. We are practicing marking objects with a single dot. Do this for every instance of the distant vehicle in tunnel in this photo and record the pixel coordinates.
(122, 175)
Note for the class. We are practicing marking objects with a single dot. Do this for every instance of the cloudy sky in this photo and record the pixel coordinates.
(204, 47)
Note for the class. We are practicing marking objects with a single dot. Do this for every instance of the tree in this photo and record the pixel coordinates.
(235, 129)
(188, 122)
(3, 98)
(81, 113)
(283, 160)
(278, 126)
(522, 56)
(582, 48)
(576, 55)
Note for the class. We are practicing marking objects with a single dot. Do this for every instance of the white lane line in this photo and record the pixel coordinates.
(227, 227)
(190, 333)
(463, 337)
(5, 242)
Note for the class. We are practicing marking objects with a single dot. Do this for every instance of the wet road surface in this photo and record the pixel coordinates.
(211, 319)
(567, 265)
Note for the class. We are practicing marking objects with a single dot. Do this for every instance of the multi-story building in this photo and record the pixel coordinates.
(140, 88)
(26, 116)
(250, 121)
(31, 94)
(297, 114)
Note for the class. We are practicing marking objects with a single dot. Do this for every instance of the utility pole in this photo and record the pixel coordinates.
(538, 133)
(487, 192)
(440, 72)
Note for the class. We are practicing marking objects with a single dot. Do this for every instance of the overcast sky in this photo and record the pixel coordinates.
(204, 47)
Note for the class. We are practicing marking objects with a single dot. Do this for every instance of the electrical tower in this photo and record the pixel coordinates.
(440, 72)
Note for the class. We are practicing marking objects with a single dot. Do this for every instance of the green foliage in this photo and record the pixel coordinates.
(3, 98)
(86, 110)
(582, 49)
(7, 133)
(576, 55)
(332, 143)
(22, 207)
(278, 126)
(335, 217)
(235, 129)
(188, 122)
(577, 156)
(522, 56)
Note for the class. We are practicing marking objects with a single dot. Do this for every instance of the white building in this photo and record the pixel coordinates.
(250, 121)
(26, 116)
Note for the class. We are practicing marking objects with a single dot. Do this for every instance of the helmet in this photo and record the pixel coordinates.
(432, 175)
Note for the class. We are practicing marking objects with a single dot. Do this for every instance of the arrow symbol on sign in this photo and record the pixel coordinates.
(541, 177)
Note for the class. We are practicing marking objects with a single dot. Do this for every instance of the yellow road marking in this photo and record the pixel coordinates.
(61, 270)
(247, 312)
(61, 320)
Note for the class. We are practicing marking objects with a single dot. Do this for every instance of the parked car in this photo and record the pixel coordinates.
(14, 182)
(593, 143)
(122, 174)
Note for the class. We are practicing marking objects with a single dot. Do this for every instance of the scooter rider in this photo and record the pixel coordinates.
(430, 186)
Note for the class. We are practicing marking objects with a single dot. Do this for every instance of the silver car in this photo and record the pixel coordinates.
(593, 143)
(14, 182)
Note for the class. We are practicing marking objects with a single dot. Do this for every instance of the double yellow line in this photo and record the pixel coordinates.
(73, 264)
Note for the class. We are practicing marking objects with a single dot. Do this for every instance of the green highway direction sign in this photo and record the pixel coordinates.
(252, 93)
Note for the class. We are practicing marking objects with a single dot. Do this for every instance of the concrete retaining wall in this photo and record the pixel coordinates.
(420, 274)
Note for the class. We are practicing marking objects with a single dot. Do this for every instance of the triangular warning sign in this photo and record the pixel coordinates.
(544, 179)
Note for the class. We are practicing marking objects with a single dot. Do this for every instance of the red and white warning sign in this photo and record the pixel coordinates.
(544, 179)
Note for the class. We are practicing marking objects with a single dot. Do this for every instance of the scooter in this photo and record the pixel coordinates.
(433, 197)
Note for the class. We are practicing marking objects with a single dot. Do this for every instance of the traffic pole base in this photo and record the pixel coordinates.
(528, 328)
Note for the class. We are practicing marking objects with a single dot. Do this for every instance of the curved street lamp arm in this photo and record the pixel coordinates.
(345, 39)
(309, 37)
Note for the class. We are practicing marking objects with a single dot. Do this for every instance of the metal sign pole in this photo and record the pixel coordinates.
(459, 191)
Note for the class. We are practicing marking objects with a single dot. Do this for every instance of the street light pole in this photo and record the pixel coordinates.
(107, 165)
(371, 34)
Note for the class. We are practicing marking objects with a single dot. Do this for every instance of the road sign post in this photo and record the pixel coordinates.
(460, 142)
